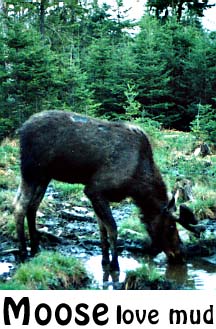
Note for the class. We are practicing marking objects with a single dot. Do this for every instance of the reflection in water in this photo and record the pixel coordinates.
(194, 275)
(177, 273)
(5, 268)
(197, 275)
(110, 280)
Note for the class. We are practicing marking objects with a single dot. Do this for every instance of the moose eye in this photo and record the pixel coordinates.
(172, 228)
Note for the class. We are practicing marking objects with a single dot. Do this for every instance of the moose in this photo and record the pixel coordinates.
(113, 160)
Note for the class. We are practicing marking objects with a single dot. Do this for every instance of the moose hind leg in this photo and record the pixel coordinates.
(107, 227)
(31, 217)
(21, 204)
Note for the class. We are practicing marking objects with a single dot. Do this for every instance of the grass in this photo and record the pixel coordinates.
(68, 190)
(132, 228)
(9, 180)
(72, 193)
(9, 164)
(49, 270)
(174, 154)
(146, 277)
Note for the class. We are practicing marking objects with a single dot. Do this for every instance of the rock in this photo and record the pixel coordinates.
(74, 215)
(210, 259)
(202, 150)
(184, 188)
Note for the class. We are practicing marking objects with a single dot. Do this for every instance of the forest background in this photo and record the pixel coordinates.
(92, 59)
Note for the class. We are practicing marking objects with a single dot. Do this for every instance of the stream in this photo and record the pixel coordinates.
(79, 236)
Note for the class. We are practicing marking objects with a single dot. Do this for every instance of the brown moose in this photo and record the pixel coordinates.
(113, 161)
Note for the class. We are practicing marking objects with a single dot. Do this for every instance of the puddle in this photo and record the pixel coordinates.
(5, 268)
(204, 280)
(194, 275)
(107, 280)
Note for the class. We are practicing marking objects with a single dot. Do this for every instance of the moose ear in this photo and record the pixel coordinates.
(188, 221)
(186, 215)
(172, 203)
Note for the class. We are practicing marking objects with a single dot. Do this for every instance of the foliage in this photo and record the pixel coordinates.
(27, 76)
(132, 105)
(8, 164)
(162, 9)
(85, 57)
(50, 270)
(204, 125)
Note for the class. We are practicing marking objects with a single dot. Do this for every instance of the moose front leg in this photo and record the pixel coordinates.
(104, 243)
(107, 226)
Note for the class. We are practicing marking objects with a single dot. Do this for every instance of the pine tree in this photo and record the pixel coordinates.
(29, 74)
(152, 73)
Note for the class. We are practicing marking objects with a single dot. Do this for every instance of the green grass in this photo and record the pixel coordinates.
(132, 228)
(146, 277)
(49, 270)
(174, 155)
(68, 191)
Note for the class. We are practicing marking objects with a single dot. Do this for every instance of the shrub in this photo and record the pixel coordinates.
(204, 125)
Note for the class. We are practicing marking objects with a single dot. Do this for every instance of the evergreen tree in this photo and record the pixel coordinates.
(28, 82)
(152, 74)
(179, 8)
(191, 81)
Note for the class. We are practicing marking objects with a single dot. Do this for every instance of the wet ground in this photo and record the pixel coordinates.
(198, 274)
(74, 232)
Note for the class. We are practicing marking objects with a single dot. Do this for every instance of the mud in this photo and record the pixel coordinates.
(74, 231)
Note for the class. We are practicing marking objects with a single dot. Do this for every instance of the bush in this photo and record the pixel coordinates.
(204, 125)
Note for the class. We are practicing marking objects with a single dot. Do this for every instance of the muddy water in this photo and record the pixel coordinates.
(198, 273)
(5, 269)
(107, 280)
(194, 275)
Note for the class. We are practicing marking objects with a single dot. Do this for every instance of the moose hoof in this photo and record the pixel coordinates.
(35, 251)
(22, 256)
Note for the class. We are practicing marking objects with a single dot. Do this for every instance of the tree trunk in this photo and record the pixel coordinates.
(42, 17)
